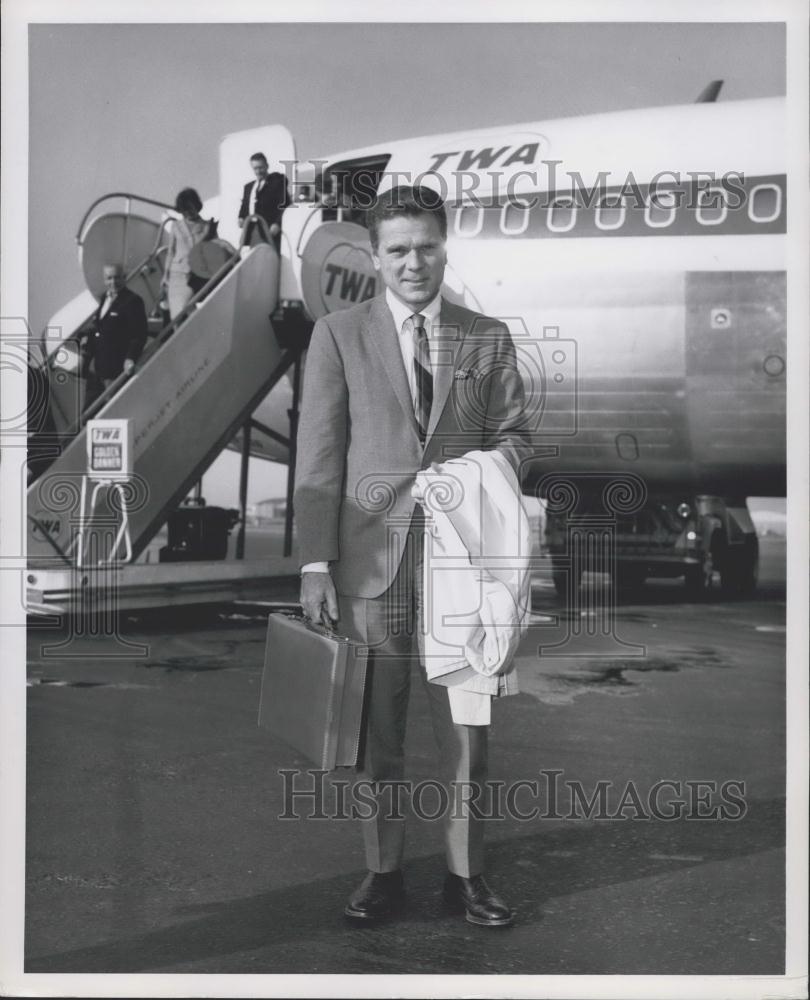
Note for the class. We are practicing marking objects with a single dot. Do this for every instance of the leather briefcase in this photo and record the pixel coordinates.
(313, 687)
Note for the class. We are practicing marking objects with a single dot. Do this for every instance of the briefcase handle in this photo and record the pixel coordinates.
(315, 627)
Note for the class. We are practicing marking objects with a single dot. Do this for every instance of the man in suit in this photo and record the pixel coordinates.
(117, 336)
(265, 196)
(391, 385)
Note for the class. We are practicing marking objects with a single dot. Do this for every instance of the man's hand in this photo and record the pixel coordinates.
(129, 364)
(319, 598)
(275, 229)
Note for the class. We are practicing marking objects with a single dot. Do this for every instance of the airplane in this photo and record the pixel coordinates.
(637, 256)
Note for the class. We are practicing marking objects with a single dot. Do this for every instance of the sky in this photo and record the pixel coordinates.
(142, 107)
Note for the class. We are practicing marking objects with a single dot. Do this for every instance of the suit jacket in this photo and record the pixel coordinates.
(358, 449)
(118, 335)
(270, 201)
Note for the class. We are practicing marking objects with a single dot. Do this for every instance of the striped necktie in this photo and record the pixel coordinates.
(424, 375)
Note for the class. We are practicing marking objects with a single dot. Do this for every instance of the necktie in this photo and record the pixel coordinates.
(254, 196)
(424, 375)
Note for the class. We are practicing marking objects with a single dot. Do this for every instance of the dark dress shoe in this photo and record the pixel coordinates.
(378, 895)
(480, 903)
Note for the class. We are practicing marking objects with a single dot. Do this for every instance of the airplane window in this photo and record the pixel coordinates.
(712, 206)
(562, 215)
(764, 203)
(660, 209)
(514, 218)
(469, 220)
(610, 212)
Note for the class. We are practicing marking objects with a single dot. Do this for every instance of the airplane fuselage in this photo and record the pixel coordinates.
(639, 260)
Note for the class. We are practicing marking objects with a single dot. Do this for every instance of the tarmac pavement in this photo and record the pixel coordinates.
(154, 843)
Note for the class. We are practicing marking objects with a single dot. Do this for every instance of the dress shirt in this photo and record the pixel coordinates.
(402, 322)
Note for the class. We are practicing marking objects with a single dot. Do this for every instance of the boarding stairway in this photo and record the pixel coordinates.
(191, 391)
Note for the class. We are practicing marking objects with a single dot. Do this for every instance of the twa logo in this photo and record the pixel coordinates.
(347, 277)
(504, 151)
(46, 524)
(105, 435)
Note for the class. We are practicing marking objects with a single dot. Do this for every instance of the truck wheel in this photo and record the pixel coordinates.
(739, 574)
(700, 578)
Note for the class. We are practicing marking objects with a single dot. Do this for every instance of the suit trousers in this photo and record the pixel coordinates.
(94, 387)
(391, 627)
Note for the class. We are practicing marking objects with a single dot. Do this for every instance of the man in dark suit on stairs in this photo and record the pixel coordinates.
(266, 196)
(117, 336)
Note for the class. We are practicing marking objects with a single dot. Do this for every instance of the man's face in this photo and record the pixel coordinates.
(411, 257)
(113, 278)
(259, 169)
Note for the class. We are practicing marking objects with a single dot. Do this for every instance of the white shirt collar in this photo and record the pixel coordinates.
(401, 312)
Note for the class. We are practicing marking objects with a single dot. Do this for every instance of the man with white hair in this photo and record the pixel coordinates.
(118, 334)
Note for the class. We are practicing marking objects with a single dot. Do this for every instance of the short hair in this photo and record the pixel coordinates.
(258, 156)
(116, 265)
(410, 202)
(188, 199)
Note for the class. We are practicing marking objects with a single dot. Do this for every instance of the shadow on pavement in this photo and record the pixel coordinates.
(300, 928)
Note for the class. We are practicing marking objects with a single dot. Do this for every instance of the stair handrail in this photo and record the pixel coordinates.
(137, 269)
(172, 325)
(120, 194)
(157, 246)
(264, 229)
